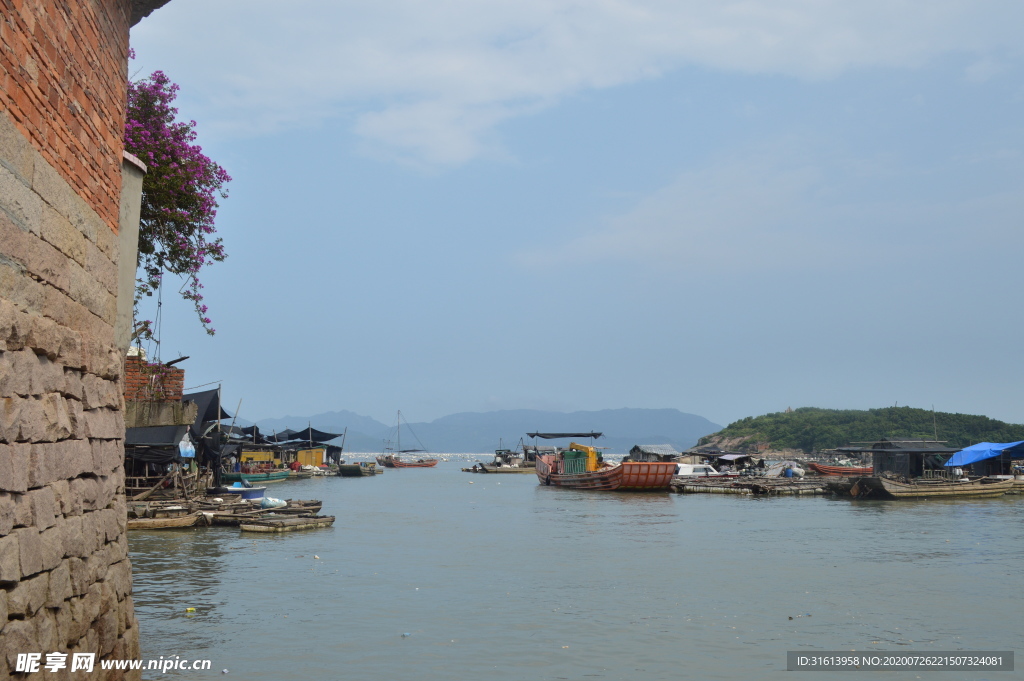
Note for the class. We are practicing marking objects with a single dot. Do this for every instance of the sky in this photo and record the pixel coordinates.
(726, 208)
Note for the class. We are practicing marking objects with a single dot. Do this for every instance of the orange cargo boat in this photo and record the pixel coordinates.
(579, 467)
(845, 471)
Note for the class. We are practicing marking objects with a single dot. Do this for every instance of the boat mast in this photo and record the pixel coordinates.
(398, 431)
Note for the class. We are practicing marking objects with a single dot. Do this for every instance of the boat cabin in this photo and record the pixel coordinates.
(652, 453)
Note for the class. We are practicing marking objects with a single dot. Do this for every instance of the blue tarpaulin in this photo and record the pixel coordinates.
(986, 450)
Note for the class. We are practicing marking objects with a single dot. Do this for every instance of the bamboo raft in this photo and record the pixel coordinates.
(287, 524)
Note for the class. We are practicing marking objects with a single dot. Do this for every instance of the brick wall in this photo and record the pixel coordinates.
(63, 72)
(152, 382)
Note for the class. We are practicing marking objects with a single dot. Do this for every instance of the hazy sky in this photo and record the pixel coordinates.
(722, 207)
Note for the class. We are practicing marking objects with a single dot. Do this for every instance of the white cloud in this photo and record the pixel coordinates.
(429, 80)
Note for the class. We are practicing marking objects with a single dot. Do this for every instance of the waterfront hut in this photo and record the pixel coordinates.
(653, 453)
(907, 458)
(989, 458)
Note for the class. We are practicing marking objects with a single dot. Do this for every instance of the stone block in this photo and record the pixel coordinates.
(31, 424)
(106, 628)
(19, 636)
(44, 338)
(46, 631)
(71, 536)
(100, 393)
(71, 349)
(16, 377)
(105, 424)
(73, 386)
(41, 469)
(91, 534)
(7, 507)
(26, 294)
(57, 421)
(60, 491)
(59, 588)
(28, 596)
(58, 232)
(81, 578)
(52, 548)
(107, 487)
(44, 507)
(19, 202)
(76, 416)
(10, 559)
(14, 464)
(16, 152)
(107, 456)
(106, 524)
(120, 578)
(22, 510)
(30, 548)
(65, 626)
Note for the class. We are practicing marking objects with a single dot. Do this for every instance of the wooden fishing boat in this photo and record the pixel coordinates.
(286, 524)
(844, 471)
(569, 469)
(166, 523)
(929, 489)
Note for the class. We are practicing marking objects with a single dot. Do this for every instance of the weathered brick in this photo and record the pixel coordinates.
(22, 510)
(16, 376)
(71, 536)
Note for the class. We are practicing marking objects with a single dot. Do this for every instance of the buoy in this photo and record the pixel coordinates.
(190, 609)
(406, 635)
(316, 557)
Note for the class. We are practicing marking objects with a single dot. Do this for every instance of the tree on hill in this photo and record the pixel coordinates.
(812, 429)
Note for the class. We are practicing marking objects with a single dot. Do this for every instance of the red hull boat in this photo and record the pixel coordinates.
(629, 475)
(845, 471)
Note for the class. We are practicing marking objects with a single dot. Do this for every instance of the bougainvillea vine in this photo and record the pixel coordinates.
(179, 195)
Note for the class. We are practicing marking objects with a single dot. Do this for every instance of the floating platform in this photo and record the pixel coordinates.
(286, 524)
(757, 486)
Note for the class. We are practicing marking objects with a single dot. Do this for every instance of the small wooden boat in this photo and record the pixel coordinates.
(843, 471)
(166, 523)
(262, 477)
(286, 524)
(249, 492)
(929, 489)
(587, 472)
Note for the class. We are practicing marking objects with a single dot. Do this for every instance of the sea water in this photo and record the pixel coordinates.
(436, 574)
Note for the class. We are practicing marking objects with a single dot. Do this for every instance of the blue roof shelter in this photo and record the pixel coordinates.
(986, 450)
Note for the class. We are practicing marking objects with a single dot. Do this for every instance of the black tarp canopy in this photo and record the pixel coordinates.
(557, 436)
(303, 434)
(210, 410)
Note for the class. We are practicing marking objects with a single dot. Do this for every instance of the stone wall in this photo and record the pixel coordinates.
(65, 578)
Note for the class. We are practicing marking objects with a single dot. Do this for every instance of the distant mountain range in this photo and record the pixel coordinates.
(482, 432)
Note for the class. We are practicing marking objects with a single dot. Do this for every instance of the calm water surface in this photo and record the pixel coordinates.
(507, 579)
